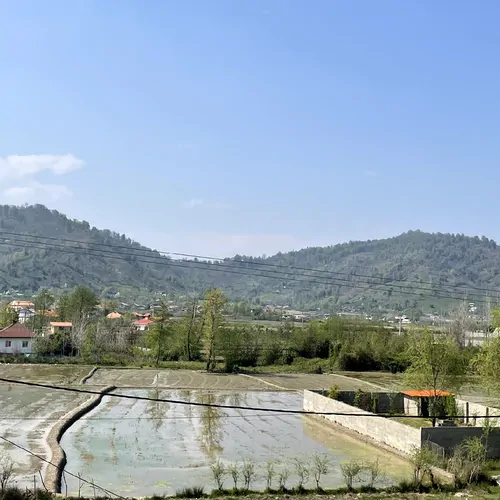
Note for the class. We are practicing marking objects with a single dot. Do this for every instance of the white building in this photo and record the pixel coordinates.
(16, 339)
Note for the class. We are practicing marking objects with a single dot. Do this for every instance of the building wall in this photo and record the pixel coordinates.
(411, 406)
(16, 346)
(383, 430)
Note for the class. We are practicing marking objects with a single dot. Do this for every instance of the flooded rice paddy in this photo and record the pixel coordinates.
(139, 448)
(26, 416)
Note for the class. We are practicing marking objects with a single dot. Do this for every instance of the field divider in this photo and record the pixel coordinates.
(53, 474)
(89, 375)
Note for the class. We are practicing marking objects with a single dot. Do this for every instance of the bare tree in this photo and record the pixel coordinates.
(460, 324)
(6, 470)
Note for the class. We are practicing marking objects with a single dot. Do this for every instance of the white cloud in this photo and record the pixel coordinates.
(36, 191)
(199, 203)
(29, 165)
(18, 176)
(371, 173)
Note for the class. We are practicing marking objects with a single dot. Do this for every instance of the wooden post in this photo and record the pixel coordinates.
(467, 412)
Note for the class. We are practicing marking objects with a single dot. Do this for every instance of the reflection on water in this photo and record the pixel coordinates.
(143, 448)
(210, 424)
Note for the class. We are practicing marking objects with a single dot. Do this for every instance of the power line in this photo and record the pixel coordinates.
(226, 269)
(249, 262)
(217, 405)
(83, 480)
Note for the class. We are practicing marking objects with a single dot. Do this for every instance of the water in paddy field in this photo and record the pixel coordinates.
(139, 448)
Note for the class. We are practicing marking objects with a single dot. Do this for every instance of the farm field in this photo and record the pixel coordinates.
(142, 448)
(26, 416)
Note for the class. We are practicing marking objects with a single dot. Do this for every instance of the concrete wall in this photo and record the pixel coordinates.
(383, 430)
(470, 409)
(450, 437)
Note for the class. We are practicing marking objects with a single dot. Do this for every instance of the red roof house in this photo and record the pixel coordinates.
(16, 339)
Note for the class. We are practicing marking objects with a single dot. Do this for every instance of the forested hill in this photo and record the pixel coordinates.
(413, 270)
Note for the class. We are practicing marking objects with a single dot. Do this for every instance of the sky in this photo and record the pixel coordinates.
(217, 127)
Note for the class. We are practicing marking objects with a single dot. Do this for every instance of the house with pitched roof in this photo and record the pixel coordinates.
(16, 339)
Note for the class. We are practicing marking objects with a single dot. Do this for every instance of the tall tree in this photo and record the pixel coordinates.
(43, 301)
(487, 365)
(7, 316)
(78, 304)
(435, 365)
(157, 340)
(213, 307)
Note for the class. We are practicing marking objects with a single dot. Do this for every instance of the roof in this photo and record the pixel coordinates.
(21, 303)
(61, 323)
(426, 393)
(51, 314)
(114, 315)
(144, 321)
(16, 331)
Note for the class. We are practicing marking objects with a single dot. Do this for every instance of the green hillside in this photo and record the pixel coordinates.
(412, 271)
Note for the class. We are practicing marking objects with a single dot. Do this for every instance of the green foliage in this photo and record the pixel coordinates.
(157, 339)
(436, 364)
(78, 304)
(443, 259)
(213, 307)
(487, 365)
(358, 398)
(351, 472)
(7, 316)
(191, 492)
(334, 392)
(468, 462)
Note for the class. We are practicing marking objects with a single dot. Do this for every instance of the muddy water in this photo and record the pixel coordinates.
(140, 448)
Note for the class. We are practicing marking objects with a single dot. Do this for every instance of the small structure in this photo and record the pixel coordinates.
(143, 324)
(16, 339)
(60, 327)
(18, 305)
(114, 315)
(25, 314)
(419, 403)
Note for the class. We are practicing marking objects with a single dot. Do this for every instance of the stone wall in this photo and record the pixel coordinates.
(383, 430)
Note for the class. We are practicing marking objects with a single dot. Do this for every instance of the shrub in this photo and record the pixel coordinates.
(351, 472)
(219, 473)
(334, 392)
(270, 474)
(248, 472)
(320, 465)
(191, 492)
(302, 472)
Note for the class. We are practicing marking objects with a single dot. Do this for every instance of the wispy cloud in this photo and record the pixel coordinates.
(18, 176)
(200, 203)
(371, 173)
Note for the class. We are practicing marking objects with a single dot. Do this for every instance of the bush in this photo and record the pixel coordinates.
(191, 492)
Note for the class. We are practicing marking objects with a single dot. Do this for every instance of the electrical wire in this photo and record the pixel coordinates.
(83, 480)
(159, 255)
(248, 262)
(221, 406)
(226, 269)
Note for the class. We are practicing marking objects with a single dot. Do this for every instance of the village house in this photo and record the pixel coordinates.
(18, 305)
(60, 327)
(25, 314)
(143, 324)
(16, 339)
(114, 315)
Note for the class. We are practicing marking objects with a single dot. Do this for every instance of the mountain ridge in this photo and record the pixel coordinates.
(413, 270)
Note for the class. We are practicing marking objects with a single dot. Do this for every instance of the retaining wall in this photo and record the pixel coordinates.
(89, 375)
(383, 430)
(53, 473)
(386, 402)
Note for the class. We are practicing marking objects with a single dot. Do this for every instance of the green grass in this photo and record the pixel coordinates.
(417, 423)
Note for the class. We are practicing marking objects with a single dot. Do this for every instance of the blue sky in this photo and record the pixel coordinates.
(217, 127)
